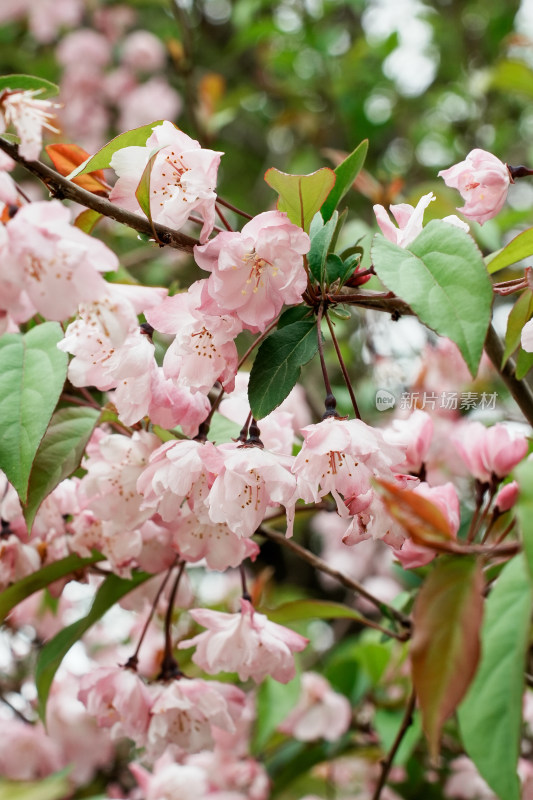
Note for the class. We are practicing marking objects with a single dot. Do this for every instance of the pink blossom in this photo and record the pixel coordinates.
(444, 497)
(183, 178)
(483, 181)
(179, 469)
(171, 781)
(109, 486)
(196, 537)
(526, 338)
(84, 46)
(119, 700)
(251, 481)
(340, 456)
(142, 51)
(320, 712)
(137, 105)
(98, 336)
(58, 265)
(26, 752)
(29, 116)
(121, 546)
(203, 350)
(84, 745)
(184, 713)
(409, 219)
(255, 272)
(414, 435)
(490, 452)
(246, 643)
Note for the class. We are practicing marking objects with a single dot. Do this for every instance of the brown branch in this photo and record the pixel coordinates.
(354, 586)
(63, 189)
(387, 763)
(378, 301)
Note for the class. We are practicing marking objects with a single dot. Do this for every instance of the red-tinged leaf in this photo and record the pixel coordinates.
(66, 157)
(422, 519)
(445, 647)
(301, 196)
(87, 220)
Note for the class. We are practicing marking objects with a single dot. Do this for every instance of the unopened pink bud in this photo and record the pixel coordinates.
(507, 497)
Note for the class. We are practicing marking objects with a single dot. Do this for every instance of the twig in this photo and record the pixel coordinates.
(354, 586)
(387, 764)
(62, 188)
(342, 365)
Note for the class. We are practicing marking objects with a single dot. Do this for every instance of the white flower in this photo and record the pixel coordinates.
(29, 116)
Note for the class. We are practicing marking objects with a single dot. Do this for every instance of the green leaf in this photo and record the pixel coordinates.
(445, 647)
(439, 276)
(54, 651)
(524, 362)
(320, 245)
(102, 159)
(490, 716)
(311, 609)
(520, 313)
(274, 701)
(301, 196)
(142, 193)
(277, 364)
(513, 77)
(222, 429)
(32, 377)
(59, 454)
(524, 510)
(53, 787)
(87, 220)
(27, 586)
(339, 270)
(294, 314)
(518, 248)
(345, 173)
(29, 83)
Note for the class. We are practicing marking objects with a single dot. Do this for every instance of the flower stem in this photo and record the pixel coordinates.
(343, 367)
(387, 763)
(169, 665)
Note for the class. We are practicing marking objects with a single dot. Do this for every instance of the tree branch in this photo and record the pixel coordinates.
(63, 189)
(323, 566)
(387, 763)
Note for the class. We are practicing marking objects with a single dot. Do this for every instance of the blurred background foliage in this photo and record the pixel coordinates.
(294, 83)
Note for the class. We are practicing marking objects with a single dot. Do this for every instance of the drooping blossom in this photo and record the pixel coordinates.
(250, 481)
(320, 713)
(26, 752)
(255, 272)
(490, 452)
(340, 456)
(412, 434)
(203, 350)
(409, 220)
(195, 536)
(178, 470)
(246, 643)
(112, 470)
(184, 713)
(55, 263)
(483, 181)
(28, 115)
(171, 781)
(183, 178)
(119, 700)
